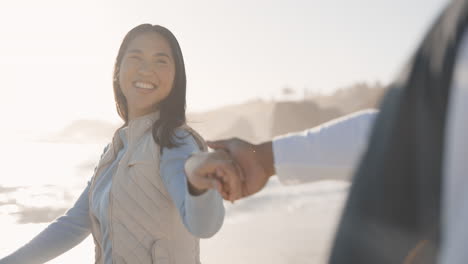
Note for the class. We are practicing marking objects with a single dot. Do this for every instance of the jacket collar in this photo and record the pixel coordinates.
(138, 126)
(134, 130)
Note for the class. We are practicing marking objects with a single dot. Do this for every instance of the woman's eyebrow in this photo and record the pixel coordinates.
(161, 54)
(135, 51)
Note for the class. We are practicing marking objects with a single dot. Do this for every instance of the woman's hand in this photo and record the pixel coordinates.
(214, 170)
(254, 161)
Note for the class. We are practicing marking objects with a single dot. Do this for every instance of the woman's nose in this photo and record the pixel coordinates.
(146, 69)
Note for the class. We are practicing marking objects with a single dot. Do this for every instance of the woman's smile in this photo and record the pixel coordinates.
(144, 87)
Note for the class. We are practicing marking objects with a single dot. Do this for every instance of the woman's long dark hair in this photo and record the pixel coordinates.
(172, 108)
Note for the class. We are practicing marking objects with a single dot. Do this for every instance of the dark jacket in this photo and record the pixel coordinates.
(392, 214)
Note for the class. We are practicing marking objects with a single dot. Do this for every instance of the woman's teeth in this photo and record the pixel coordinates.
(144, 85)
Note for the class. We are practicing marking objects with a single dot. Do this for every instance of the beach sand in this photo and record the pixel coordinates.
(281, 224)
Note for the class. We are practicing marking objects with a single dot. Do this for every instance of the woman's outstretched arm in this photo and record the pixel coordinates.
(60, 236)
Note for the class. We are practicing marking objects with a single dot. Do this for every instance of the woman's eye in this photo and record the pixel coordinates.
(133, 57)
(161, 61)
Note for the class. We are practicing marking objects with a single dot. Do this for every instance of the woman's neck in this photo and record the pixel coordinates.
(133, 115)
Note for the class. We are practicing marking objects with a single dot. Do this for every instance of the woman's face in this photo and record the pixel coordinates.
(146, 73)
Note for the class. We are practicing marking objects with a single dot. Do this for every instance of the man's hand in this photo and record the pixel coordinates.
(255, 161)
(214, 170)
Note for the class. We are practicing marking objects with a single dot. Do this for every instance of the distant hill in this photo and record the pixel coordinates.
(250, 121)
(353, 98)
(259, 120)
(297, 116)
(254, 121)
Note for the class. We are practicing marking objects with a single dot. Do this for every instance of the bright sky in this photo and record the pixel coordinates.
(56, 57)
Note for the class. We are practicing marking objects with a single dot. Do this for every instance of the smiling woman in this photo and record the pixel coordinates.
(150, 67)
(140, 205)
(146, 73)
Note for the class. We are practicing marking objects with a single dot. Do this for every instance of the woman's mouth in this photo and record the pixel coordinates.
(144, 85)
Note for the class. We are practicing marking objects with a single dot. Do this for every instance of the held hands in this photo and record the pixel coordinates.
(236, 168)
(255, 161)
(214, 170)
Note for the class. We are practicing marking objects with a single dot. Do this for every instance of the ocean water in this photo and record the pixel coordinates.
(39, 181)
(282, 224)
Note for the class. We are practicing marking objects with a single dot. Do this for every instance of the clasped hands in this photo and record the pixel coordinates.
(235, 168)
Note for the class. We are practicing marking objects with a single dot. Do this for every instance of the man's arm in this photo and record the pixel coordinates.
(325, 152)
(329, 151)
